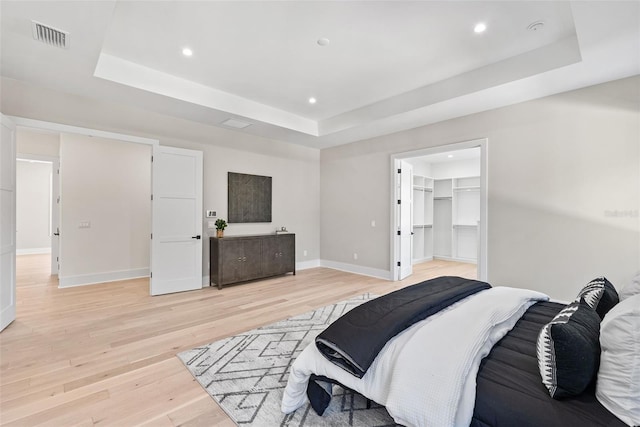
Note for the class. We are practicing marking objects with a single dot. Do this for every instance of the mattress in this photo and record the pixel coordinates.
(510, 391)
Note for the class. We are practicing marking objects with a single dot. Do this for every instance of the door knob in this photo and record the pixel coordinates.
(196, 237)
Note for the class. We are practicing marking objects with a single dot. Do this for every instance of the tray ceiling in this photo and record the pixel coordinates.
(373, 67)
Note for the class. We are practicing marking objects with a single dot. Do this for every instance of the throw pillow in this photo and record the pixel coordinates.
(631, 289)
(568, 350)
(618, 385)
(600, 295)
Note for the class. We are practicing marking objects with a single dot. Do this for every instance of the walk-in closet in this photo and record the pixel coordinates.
(446, 206)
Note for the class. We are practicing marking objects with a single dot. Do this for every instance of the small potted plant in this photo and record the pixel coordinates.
(221, 224)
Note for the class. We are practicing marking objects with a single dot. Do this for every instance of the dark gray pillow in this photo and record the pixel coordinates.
(600, 295)
(568, 350)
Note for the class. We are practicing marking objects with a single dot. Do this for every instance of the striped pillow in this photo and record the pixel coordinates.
(600, 295)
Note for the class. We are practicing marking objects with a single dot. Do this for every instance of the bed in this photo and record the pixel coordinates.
(497, 384)
(509, 391)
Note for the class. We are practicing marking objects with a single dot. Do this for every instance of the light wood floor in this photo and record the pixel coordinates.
(105, 354)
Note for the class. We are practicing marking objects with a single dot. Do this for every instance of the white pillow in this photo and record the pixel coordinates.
(632, 288)
(618, 386)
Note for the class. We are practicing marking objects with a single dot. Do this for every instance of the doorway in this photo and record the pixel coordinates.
(36, 207)
(161, 226)
(447, 196)
(106, 211)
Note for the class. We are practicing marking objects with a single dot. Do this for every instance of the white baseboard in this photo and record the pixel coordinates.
(448, 258)
(358, 269)
(421, 260)
(314, 263)
(304, 265)
(33, 251)
(92, 279)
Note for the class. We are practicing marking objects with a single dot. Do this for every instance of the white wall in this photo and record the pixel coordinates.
(33, 206)
(456, 169)
(563, 189)
(107, 184)
(36, 142)
(423, 166)
(295, 189)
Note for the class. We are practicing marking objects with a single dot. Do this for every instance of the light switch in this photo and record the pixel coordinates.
(85, 224)
(211, 214)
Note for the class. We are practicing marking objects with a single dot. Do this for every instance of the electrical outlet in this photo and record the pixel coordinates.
(84, 224)
(304, 253)
(373, 222)
(355, 255)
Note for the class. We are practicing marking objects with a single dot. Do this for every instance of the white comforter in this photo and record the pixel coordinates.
(426, 376)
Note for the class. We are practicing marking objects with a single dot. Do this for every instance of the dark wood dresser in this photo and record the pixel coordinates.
(236, 259)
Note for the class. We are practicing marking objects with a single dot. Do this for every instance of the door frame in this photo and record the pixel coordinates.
(21, 122)
(483, 254)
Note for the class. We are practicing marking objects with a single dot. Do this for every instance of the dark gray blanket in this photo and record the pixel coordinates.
(354, 340)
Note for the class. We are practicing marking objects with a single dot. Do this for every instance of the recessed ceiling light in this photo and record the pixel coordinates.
(323, 41)
(450, 156)
(312, 100)
(480, 27)
(187, 52)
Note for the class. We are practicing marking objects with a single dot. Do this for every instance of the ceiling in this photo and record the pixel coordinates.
(447, 156)
(387, 66)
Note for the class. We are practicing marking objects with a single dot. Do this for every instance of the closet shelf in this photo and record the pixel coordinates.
(445, 212)
(420, 188)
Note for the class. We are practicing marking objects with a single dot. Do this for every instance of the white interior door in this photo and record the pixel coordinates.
(176, 244)
(405, 215)
(7, 222)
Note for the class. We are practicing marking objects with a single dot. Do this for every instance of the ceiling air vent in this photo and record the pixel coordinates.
(49, 35)
(237, 124)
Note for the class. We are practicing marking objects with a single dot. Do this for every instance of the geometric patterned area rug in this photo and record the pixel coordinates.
(247, 373)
